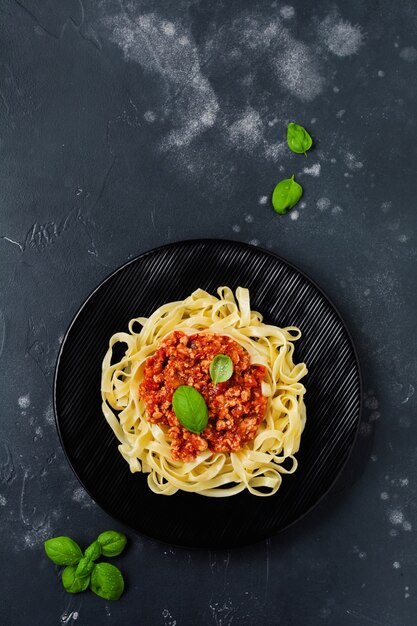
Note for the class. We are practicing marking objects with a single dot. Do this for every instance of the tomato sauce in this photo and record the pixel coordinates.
(236, 407)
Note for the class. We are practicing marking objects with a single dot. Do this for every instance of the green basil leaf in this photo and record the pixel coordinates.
(221, 368)
(93, 552)
(298, 139)
(107, 581)
(286, 195)
(73, 583)
(63, 551)
(84, 567)
(112, 542)
(190, 408)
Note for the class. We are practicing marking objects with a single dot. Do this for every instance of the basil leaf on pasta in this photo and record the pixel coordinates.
(190, 408)
(221, 368)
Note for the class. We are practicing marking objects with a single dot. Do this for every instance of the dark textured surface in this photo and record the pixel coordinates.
(124, 126)
(285, 297)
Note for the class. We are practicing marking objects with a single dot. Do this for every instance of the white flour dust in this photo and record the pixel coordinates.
(352, 162)
(246, 131)
(409, 54)
(287, 12)
(339, 36)
(323, 204)
(81, 496)
(168, 50)
(24, 401)
(298, 70)
(314, 170)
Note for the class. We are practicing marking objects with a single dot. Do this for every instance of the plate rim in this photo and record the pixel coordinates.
(248, 246)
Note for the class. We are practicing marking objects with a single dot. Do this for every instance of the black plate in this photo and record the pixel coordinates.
(285, 297)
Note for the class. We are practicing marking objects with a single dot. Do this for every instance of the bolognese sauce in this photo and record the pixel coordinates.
(235, 407)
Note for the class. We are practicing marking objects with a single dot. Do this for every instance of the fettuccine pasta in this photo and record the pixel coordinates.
(146, 446)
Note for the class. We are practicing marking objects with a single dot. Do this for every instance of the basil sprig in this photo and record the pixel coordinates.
(190, 408)
(298, 139)
(221, 368)
(286, 195)
(104, 579)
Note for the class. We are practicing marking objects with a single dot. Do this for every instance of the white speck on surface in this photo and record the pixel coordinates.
(362, 555)
(168, 619)
(287, 12)
(248, 218)
(367, 292)
(403, 238)
(384, 495)
(396, 517)
(323, 204)
(254, 242)
(337, 210)
(374, 458)
(246, 132)
(409, 54)
(3, 501)
(75, 615)
(236, 228)
(386, 206)
(339, 36)
(352, 161)
(49, 415)
(404, 482)
(149, 116)
(407, 526)
(396, 565)
(168, 28)
(263, 199)
(24, 401)
(406, 595)
(393, 532)
(381, 73)
(81, 496)
(294, 215)
(340, 113)
(336, 89)
(314, 170)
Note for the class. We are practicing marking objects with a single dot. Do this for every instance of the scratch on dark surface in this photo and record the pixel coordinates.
(3, 99)
(25, 520)
(84, 31)
(7, 469)
(9, 79)
(41, 236)
(2, 331)
(368, 619)
(105, 179)
(38, 23)
(13, 241)
(37, 347)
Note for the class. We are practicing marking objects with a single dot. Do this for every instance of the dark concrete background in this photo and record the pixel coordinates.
(125, 125)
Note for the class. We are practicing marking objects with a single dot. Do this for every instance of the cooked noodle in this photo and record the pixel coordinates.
(259, 465)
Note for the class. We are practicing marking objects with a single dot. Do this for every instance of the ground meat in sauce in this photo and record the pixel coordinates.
(236, 407)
